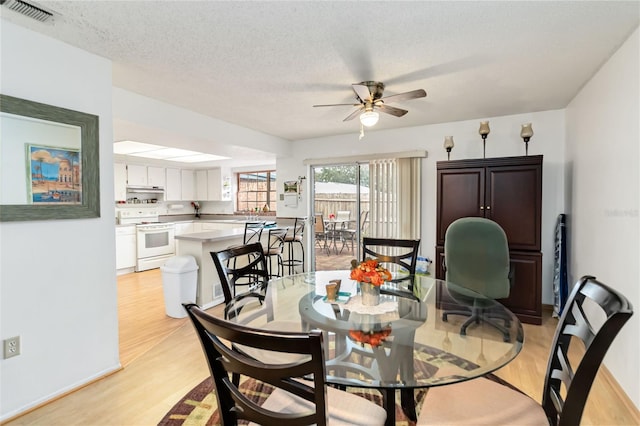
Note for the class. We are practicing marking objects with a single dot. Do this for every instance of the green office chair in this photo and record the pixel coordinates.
(476, 255)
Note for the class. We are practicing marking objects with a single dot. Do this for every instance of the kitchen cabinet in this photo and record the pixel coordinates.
(137, 175)
(201, 185)
(213, 185)
(156, 176)
(120, 181)
(173, 187)
(178, 184)
(188, 185)
(508, 191)
(125, 248)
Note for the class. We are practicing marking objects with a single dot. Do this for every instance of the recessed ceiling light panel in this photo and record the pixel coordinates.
(146, 150)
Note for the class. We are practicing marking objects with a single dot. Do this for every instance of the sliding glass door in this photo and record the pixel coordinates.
(340, 203)
(378, 198)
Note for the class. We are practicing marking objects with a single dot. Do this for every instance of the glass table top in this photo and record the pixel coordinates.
(403, 342)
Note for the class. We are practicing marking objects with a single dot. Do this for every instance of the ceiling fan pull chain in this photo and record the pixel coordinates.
(361, 132)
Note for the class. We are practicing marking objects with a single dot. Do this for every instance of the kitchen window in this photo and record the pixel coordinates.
(255, 190)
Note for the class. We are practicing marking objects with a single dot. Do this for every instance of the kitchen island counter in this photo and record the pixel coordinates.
(200, 245)
(215, 235)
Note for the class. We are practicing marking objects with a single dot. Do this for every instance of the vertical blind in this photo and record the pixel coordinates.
(394, 191)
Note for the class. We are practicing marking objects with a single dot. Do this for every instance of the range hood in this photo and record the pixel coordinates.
(145, 190)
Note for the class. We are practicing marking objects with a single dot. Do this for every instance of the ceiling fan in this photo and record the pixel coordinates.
(370, 101)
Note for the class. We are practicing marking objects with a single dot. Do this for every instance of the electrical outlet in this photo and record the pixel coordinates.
(11, 347)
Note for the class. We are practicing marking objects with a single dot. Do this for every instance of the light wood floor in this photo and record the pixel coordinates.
(163, 360)
(141, 314)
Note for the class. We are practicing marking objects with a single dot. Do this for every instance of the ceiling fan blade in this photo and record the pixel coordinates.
(398, 112)
(354, 114)
(362, 91)
(405, 96)
(331, 105)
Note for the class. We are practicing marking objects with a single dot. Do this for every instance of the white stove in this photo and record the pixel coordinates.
(132, 216)
(155, 240)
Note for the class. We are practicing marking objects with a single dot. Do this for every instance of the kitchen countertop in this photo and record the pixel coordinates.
(209, 236)
(212, 218)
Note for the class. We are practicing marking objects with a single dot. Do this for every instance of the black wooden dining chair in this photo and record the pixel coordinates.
(594, 314)
(301, 395)
(254, 304)
(241, 266)
(397, 255)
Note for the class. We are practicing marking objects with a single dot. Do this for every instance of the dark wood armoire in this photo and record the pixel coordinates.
(507, 190)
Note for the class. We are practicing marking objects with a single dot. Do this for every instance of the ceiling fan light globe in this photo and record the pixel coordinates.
(369, 118)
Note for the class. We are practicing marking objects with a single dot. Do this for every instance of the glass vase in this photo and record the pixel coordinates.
(370, 294)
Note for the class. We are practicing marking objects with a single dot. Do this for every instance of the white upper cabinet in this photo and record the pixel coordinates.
(188, 185)
(178, 184)
(219, 184)
(173, 187)
(137, 175)
(156, 176)
(213, 185)
(201, 185)
(120, 181)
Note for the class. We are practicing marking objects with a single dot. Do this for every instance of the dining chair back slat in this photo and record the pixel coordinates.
(395, 254)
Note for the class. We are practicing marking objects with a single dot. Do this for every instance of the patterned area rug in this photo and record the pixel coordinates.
(199, 406)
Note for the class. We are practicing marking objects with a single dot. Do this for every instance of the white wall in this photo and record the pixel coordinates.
(174, 126)
(58, 285)
(603, 124)
(503, 141)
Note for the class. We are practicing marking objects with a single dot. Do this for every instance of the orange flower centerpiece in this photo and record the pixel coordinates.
(371, 275)
(374, 338)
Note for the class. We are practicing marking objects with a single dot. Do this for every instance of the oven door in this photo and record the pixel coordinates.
(155, 240)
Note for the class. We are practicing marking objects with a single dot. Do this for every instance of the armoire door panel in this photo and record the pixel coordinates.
(460, 194)
(525, 295)
(513, 196)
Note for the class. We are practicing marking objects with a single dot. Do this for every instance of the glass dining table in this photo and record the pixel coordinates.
(402, 343)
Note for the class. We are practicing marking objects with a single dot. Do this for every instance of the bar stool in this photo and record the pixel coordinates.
(275, 248)
(252, 232)
(296, 237)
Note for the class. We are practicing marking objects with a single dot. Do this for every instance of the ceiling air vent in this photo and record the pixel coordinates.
(27, 9)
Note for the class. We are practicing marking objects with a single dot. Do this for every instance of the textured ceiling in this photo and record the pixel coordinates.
(262, 65)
